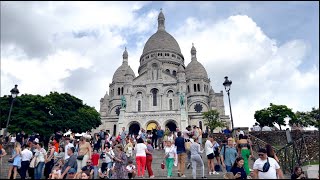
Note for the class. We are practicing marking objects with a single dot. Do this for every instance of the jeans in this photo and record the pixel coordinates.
(24, 168)
(95, 172)
(228, 168)
(154, 142)
(38, 170)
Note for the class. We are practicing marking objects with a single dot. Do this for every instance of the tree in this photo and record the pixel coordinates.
(48, 114)
(274, 114)
(212, 119)
(308, 118)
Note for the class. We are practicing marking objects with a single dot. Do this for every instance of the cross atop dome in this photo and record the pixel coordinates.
(161, 20)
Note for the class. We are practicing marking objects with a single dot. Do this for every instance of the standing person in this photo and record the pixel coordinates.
(154, 138)
(141, 150)
(160, 134)
(107, 158)
(227, 131)
(123, 136)
(272, 172)
(120, 161)
(187, 134)
(196, 158)
(97, 142)
(238, 132)
(41, 155)
(128, 149)
(216, 152)
(181, 152)
(102, 136)
(70, 164)
(49, 161)
(200, 136)
(244, 149)
(170, 137)
(16, 157)
(67, 146)
(149, 158)
(238, 170)
(209, 153)
(169, 156)
(271, 153)
(298, 173)
(228, 155)
(85, 151)
(95, 163)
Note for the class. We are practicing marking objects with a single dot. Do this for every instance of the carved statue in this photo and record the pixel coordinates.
(181, 100)
(123, 102)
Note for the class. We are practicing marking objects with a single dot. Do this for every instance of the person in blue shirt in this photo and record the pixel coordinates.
(160, 134)
(238, 169)
(227, 131)
(181, 151)
(228, 155)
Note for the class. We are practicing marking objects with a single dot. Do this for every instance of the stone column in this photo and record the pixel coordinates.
(121, 120)
(183, 118)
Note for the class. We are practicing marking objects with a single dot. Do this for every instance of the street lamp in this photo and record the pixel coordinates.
(227, 85)
(14, 94)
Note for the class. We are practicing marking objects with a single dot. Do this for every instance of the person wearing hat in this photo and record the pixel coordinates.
(274, 170)
(70, 163)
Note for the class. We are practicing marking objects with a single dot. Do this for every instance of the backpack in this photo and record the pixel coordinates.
(217, 168)
(266, 166)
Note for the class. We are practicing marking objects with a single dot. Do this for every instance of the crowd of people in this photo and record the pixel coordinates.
(126, 156)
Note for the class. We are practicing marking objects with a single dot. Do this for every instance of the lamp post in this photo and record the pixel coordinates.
(227, 85)
(14, 94)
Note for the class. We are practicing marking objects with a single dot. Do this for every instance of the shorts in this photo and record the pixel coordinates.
(216, 154)
(210, 156)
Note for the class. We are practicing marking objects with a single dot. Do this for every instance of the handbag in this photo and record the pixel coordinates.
(266, 166)
(80, 157)
(10, 160)
(187, 145)
(162, 165)
(34, 163)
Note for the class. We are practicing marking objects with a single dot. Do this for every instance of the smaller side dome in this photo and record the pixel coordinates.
(211, 92)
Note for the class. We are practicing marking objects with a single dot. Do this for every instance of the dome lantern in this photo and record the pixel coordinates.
(193, 53)
(125, 55)
(161, 21)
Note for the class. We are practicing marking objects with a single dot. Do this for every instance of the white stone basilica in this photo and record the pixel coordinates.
(153, 97)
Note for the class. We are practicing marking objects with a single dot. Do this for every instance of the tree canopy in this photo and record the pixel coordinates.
(274, 114)
(308, 118)
(212, 119)
(48, 114)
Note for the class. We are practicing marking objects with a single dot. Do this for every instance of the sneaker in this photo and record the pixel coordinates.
(189, 165)
(168, 176)
(210, 173)
(183, 175)
(152, 176)
(204, 177)
(215, 172)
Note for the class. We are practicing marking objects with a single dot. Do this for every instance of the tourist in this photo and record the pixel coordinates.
(41, 155)
(49, 161)
(123, 136)
(271, 153)
(216, 152)
(154, 138)
(270, 173)
(149, 135)
(160, 134)
(102, 137)
(181, 152)
(131, 169)
(26, 156)
(170, 137)
(59, 156)
(298, 173)
(210, 154)
(256, 127)
(97, 144)
(95, 163)
(170, 152)
(119, 166)
(238, 170)
(228, 155)
(88, 168)
(238, 132)
(196, 158)
(187, 134)
(85, 175)
(128, 149)
(149, 159)
(56, 172)
(2, 151)
(227, 131)
(200, 136)
(66, 147)
(70, 164)
(85, 152)
(244, 149)
(141, 150)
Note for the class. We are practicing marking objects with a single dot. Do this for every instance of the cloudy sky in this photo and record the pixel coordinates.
(270, 50)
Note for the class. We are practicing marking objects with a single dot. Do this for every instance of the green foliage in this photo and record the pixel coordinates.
(48, 114)
(212, 119)
(274, 114)
(308, 118)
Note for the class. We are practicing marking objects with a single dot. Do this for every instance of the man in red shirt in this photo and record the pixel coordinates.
(95, 163)
(56, 145)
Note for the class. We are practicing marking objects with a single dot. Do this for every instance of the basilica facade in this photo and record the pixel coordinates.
(165, 92)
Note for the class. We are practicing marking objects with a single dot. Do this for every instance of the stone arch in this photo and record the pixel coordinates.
(166, 90)
(113, 109)
(151, 124)
(171, 124)
(135, 92)
(134, 127)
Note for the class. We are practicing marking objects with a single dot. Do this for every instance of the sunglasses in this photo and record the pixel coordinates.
(88, 162)
(260, 154)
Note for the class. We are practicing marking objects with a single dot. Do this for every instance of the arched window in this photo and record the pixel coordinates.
(188, 89)
(174, 72)
(118, 91)
(194, 87)
(154, 96)
(198, 87)
(204, 88)
(168, 71)
(139, 106)
(122, 91)
(170, 104)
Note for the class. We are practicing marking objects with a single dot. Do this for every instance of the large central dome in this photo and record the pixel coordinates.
(161, 40)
